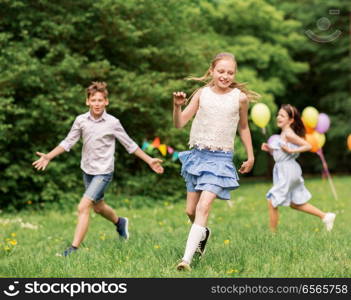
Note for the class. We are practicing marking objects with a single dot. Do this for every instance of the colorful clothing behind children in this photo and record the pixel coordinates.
(288, 184)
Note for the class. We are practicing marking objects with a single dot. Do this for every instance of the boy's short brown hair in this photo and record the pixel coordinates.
(97, 86)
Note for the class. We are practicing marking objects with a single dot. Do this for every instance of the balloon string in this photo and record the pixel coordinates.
(325, 167)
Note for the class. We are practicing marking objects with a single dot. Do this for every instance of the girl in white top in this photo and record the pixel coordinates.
(220, 108)
(288, 184)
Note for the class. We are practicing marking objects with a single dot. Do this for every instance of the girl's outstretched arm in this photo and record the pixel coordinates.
(245, 135)
(181, 118)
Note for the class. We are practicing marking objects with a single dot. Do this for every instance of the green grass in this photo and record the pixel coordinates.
(240, 246)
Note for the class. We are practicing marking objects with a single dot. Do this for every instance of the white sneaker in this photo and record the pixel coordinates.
(328, 220)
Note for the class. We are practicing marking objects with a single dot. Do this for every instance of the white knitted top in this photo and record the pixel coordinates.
(216, 121)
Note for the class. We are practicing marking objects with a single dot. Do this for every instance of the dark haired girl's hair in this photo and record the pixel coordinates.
(97, 86)
(297, 125)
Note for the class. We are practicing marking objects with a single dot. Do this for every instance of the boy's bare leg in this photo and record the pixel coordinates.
(83, 221)
(106, 211)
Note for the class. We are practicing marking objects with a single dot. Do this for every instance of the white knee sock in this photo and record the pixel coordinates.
(197, 233)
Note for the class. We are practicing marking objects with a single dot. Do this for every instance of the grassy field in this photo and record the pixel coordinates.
(240, 246)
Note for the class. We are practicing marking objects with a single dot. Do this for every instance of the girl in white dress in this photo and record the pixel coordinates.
(288, 185)
(220, 108)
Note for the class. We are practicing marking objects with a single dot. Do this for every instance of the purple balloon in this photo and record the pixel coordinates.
(273, 138)
(323, 123)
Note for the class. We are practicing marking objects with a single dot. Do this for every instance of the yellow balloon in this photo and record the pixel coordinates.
(260, 114)
(310, 116)
(320, 138)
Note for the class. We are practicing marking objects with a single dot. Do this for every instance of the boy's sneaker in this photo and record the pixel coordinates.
(122, 228)
(69, 251)
(328, 220)
(183, 266)
(202, 245)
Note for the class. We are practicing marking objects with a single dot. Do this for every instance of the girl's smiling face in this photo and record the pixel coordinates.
(223, 74)
(283, 119)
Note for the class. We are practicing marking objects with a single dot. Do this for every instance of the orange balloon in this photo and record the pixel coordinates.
(312, 140)
(349, 142)
(307, 128)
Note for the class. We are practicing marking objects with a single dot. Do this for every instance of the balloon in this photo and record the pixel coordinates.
(312, 140)
(349, 142)
(273, 138)
(310, 115)
(320, 138)
(260, 114)
(323, 123)
(307, 128)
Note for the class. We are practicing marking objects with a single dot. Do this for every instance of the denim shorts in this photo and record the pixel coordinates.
(95, 185)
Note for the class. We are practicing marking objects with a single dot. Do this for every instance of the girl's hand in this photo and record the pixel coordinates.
(179, 98)
(246, 166)
(155, 165)
(265, 147)
(42, 162)
(287, 149)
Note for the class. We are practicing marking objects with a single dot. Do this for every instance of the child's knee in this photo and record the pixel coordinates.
(190, 213)
(294, 206)
(202, 208)
(98, 209)
(84, 206)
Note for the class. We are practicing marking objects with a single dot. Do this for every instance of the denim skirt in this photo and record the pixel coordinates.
(206, 170)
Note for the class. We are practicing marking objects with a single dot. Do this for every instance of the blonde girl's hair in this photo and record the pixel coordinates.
(207, 78)
(97, 86)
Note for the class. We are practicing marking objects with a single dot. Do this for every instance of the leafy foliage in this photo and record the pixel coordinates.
(50, 52)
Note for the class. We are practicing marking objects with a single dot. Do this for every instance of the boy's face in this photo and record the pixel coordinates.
(97, 103)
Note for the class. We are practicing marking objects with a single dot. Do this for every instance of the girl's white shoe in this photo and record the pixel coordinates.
(328, 220)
